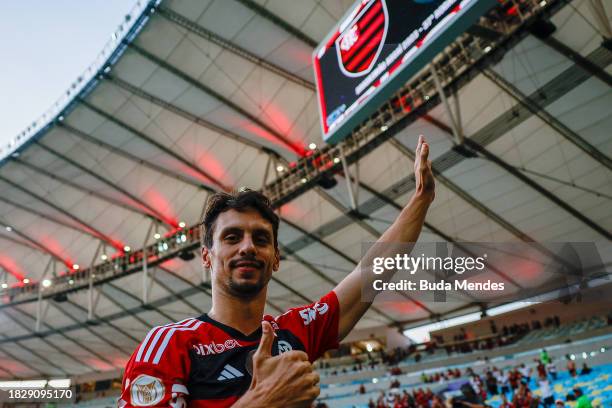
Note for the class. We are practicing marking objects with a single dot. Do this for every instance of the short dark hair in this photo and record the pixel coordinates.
(239, 201)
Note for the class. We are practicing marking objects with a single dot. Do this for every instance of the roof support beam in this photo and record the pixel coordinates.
(235, 49)
(19, 323)
(27, 364)
(32, 211)
(601, 18)
(40, 246)
(96, 232)
(110, 298)
(38, 320)
(128, 312)
(129, 156)
(579, 60)
(18, 242)
(279, 22)
(537, 187)
(152, 211)
(298, 150)
(76, 186)
(448, 183)
(509, 227)
(71, 339)
(120, 83)
(90, 330)
(104, 320)
(549, 119)
(153, 142)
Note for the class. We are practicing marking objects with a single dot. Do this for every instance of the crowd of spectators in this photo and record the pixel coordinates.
(463, 342)
(511, 385)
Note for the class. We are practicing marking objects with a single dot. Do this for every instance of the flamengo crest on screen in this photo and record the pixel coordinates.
(359, 44)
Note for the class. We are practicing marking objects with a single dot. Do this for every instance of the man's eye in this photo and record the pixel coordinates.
(231, 237)
(263, 240)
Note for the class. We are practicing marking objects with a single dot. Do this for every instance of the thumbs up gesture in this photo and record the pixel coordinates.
(287, 380)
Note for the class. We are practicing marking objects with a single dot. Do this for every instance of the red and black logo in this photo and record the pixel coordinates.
(361, 40)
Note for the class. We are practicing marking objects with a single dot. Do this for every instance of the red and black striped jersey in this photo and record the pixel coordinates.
(199, 362)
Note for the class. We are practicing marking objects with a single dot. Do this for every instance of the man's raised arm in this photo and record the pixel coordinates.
(405, 229)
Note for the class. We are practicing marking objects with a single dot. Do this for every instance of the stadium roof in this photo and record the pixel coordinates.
(203, 96)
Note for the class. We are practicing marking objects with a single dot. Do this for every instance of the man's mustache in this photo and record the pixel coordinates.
(248, 261)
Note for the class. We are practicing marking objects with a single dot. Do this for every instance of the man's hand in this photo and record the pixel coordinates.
(423, 175)
(287, 380)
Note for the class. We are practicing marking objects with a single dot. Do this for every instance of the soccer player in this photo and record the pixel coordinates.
(234, 355)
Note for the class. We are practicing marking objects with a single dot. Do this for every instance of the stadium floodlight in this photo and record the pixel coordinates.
(304, 180)
(157, 235)
(375, 380)
(26, 281)
(46, 283)
(71, 282)
(312, 146)
(182, 224)
(280, 169)
(75, 267)
(104, 257)
(336, 160)
(4, 285)
(127, 248)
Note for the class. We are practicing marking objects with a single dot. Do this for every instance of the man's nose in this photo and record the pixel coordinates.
(247, 246)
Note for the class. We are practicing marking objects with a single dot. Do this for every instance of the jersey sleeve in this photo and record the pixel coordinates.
(316, 325)
(157, 373)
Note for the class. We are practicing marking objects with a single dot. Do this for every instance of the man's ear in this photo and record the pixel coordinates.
(276, 263)
(206, 261)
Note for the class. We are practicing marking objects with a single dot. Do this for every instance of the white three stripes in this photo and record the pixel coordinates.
(169, 329)
(228, 373)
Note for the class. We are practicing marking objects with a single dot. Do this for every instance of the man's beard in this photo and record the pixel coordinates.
(246, 290)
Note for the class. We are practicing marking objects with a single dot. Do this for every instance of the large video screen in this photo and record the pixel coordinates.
(376, 47)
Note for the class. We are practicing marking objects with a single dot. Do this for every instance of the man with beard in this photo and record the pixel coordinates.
(234, 355)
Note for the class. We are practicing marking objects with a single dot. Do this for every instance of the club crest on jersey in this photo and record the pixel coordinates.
(360, 41)
(310, 313)
(284, 346)
(214, 348)
(146, 391)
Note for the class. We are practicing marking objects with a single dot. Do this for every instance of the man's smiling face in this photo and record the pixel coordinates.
(243, 254)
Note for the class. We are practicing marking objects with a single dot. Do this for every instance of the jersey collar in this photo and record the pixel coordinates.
(237, 334)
